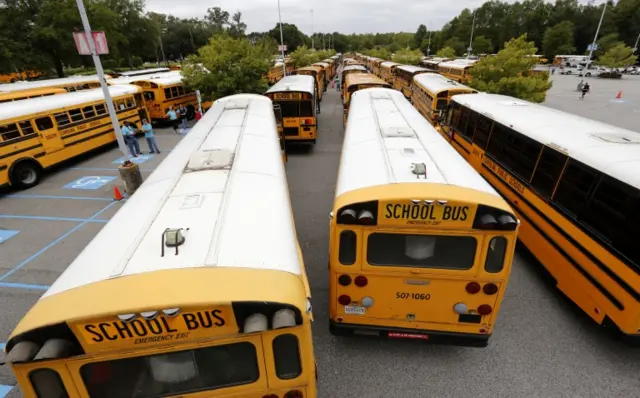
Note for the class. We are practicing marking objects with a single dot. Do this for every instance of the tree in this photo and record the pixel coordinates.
(234, 66)
(618, 56)
(420, 35)
(407, 57)
(304, 56)
(457, 45)
(558, 39)
(606, 43)
(510, 72)
(237, 27)
(382, 53)
(218, 18)
(482, 45)
(446, 52)
(293, 38)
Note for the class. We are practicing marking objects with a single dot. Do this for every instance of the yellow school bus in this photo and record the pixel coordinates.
(348, 70)
(375, 66)
(295, 95)
(457, 70)
(574, 184)
(277, 112)
(326, 73)
(431, 93)
(69, 84)
(221, 309)
(355, 82)
(420, 245)
(403, 78)
(332, 68)
(15, 77)
(167, 91)
(275, 73)
(28, 94)
(387, 70)
(38, 133)
(318, 74)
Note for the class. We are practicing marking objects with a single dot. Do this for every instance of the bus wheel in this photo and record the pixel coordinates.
(25, 174)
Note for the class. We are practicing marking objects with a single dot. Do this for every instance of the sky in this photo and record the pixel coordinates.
(344, 16)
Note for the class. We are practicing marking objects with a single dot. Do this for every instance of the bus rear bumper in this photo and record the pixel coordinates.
(430, 336)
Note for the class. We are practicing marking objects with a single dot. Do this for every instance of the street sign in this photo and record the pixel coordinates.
(82, 44)
(469, 48)
(282, 48)
(595, 47)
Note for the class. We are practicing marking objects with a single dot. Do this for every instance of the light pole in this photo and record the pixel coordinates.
(164, 58)
(595, 38)
(429, 45)
(323, 46)
(312, 42)
(193, 43)
(284, 64)
(635, 47)
(103, 82)
(473, 25)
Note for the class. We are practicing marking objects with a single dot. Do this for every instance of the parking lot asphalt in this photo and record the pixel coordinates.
(542, 346)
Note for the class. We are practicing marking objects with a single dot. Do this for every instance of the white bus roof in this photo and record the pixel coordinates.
(150, 76)
(298, 83)
(25, 107)
(385, 135)
(20, 86)
(434, 82)
(612, 150)
(165, 79)
(225, 182)
(458, 64)
(354, 67)
(411, 68)
(389, 64)
(144, 71)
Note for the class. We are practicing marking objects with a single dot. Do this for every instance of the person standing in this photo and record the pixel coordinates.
(147, 129)
(183, 117)
(585, 90)
(130, 139)
(173, 119)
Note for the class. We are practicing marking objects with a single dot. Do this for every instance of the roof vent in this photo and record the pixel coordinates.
(617, 138)
(397, 132)
(513, 103)
(419, 169)
(210, 160)
(408, 151)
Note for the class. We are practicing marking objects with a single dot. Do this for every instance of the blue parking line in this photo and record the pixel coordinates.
(25, 286)
(2, 346)
(100, 169)
(28, 196)
(55, 242)
(24, 217)
(4, 390)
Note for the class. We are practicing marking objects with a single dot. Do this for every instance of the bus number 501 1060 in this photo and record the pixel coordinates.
(413, 296)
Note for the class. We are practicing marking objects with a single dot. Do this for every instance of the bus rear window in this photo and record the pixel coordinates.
(306, 109)
(289, 108)
(174, 373)
(421, 251)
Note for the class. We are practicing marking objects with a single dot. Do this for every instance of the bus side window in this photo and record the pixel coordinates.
(495, 255)
(101, 109)
(167, 93)
(286, 355)
(44, 123)
(27, 128)
(149, 96)
(9, 132)
(47, 384)
(348, 247)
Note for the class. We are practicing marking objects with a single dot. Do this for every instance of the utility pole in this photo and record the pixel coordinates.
(429, 45)
(284, 64)
(473, 25)
(635, 47)
(312, 42)
(164, 58)
(193, 43)
(595, 38)
(323, 46)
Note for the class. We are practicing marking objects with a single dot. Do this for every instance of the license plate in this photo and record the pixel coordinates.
(394, 335)
(353, 310)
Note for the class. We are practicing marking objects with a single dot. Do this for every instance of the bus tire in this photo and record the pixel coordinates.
(25, 174)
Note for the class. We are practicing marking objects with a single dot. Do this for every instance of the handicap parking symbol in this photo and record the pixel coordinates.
(137, 160)
(90, 182)
(5, 234)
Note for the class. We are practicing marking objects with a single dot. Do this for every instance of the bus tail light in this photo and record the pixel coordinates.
(344, 300)
(490, 289)
(472, 287)
(485, 309)
(344, 280)
(361, 281)
(293, 394)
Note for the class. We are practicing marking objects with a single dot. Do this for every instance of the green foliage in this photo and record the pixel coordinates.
(558, 39)
(606, 43)
(382, 53)
(304, 56)
(293, 38)
(234, 66)
(618, 56)
(446, 52)
(420, 36)
(407, 57)
(482, 45)
(509, 73)
(458, 45)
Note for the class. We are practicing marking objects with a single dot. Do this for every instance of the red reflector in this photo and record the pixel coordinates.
(344, 280)
(473, 287)
(361, 281)
(490, 288)
(293, 394)
(394, 335)
(485, 309)
(344, 299)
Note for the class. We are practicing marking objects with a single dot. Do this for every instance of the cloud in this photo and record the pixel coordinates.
(344, 16)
